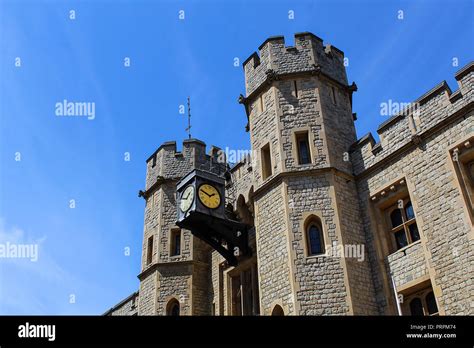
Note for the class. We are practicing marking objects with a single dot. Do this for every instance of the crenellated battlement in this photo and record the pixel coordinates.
(411, 125)
(308, 55)
(169, 163)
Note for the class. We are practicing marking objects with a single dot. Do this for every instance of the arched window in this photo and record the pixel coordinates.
(172, 308)
(431, 303)
(416, 308)
(314, 237)
(278, 311)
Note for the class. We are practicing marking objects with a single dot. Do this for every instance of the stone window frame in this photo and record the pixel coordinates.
(406, 223)
(261, 103)
(265, 174)
(294, 150)
(295, 89)
(305, 221)
(383, 200)
(332, 93)
(171, 233)
(149, 250)
(461, 155)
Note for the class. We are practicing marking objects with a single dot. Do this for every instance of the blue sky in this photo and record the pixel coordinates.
(81, 250)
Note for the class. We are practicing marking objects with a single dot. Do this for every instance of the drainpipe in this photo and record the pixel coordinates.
(399, 309)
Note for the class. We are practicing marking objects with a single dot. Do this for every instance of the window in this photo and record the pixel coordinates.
(302, 145)
(403, 224)
(416, 308)
(463, 161)
(262, 102)
(278, 311)
(471, 172)
(149, 250)
(431, 306)
(175, 244)
(314, 237)
(422, 303)
(153, 164)
(295, 88)
(333, 94)
(172, 308)
(266, 162)
(244, 292)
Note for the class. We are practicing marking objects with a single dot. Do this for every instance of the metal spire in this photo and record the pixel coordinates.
(189, 119)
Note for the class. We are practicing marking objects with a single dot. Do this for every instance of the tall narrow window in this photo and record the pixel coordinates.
(333, 92)
(266, 162)
(302, 145)
(403, 224)
(314, 238)
(175, 242)
(262, 102)
(149, 250)
(295, 88)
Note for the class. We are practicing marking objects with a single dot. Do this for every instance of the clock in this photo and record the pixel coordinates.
(200, 205)
(187, 199)
(209, 196)
(200, 192)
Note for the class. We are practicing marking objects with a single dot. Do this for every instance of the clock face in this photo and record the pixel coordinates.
(187, 199)
(209, 196)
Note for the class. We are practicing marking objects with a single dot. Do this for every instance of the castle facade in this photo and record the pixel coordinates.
(336, 225)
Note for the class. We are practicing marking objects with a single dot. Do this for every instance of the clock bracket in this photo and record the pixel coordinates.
(228, 237)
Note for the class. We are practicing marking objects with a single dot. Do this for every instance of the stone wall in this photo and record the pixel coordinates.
(273, 256)
(407, 265)
(438, 207)
(321, 289)
(128, 307)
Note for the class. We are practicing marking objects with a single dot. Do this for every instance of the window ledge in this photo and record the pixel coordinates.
(315, 256)
(405, 248)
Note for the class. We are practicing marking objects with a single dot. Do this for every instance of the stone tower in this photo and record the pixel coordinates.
(301, 125)
(174, 276)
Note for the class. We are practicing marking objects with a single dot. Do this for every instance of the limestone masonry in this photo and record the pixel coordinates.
(339, 226)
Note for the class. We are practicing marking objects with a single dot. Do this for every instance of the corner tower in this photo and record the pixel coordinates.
(299, 109)
(174, 278)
